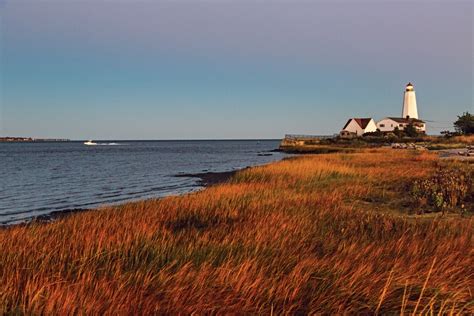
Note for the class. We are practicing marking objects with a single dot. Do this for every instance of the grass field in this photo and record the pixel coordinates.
(318, 233)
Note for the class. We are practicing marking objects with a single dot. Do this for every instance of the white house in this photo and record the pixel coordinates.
(359, 126)
(389, 124)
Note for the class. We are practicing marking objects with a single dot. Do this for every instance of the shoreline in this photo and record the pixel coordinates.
(210, 178)
(205, 179)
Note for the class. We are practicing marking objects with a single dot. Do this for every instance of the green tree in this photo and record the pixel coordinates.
(465, 124)
(397, 132)
(410, 130)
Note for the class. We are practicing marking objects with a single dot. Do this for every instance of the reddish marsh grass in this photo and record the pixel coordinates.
(289, 237)
(466, 139)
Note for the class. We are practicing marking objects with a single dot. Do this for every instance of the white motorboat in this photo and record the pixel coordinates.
(90, 143)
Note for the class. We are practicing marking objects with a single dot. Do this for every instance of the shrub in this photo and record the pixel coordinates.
(449, 187)
(377, 133)
(465, 124)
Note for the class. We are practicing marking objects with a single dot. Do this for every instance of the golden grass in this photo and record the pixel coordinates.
(290, 237)
(466, 139)
(439, 142)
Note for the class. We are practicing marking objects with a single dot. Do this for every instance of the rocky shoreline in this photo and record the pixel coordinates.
(210, 178)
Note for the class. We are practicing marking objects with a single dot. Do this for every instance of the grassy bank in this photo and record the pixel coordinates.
(317, 233)
(319, 145)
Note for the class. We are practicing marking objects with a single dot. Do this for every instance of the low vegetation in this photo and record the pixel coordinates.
(450, 187)
(332, 233)
(464, 125)
(318, 145)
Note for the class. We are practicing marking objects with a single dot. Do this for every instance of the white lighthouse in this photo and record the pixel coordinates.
(356, 127)
(409, 103)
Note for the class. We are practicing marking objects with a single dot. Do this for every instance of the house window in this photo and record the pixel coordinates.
(400, 125)
(392, 125)
(382, 125)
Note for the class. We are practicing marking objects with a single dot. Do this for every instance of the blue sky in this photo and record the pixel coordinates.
(227, 69)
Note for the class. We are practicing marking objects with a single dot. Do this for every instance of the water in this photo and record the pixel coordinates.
(39, 178)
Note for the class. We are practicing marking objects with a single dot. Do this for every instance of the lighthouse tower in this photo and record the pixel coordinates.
(409, 103)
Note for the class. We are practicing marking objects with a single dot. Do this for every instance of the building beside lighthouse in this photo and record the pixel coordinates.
(389, 124)
(357, 127)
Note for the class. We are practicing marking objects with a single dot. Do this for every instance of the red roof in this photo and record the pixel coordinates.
(363, 122)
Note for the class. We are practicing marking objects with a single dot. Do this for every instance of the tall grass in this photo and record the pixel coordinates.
(466, 139)
(296, 236)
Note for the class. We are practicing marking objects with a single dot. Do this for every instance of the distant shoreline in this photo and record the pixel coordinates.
(31, 140)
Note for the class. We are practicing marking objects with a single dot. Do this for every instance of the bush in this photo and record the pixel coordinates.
(449, 134)
(377, 133)
(410, 130)
(465, 124)
(449, 187)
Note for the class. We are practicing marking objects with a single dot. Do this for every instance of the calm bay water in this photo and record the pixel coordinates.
(39, 178)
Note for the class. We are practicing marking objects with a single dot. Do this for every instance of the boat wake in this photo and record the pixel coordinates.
(91, 143)
(109, 144)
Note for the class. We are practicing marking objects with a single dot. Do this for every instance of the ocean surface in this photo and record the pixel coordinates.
(39, 178)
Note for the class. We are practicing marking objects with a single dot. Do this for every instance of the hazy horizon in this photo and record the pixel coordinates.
(231, 70)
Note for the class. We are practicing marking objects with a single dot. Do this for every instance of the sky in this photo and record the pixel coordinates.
(121, 69)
